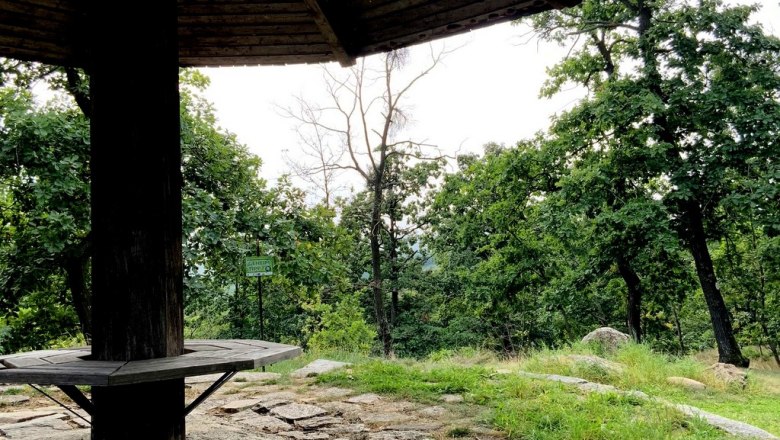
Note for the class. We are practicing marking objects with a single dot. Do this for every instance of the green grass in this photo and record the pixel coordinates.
(407, 380)
(14, 391)
(757, 404)
(548, 411)
(459, 432)
(532, 409)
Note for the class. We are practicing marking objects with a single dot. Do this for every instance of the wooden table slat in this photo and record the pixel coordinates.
(196, 367)
(277, 354)
(54, 375)
(22, 362)
(37, 354)
(65, 358)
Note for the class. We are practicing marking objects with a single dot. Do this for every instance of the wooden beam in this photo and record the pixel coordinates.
(334, 41)
(560, 4)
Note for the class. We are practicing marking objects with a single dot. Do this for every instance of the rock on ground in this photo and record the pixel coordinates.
(554, 377)
(8, 418)
(297, 411)
(300, 435)
(733, 427)
(729, 374)
(399, 435)
(686, 383)
(238, 405)
(594, 361)
(365, 399)
(38, 428)
(264, 406)
(264, 423)
(13, 399)
(607, 337)
(317, 422)
(432, 411)
(318, 367)
(248, 376)
(383, 417)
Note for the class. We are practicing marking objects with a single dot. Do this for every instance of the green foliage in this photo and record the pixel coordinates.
(228, 213)
(518, 264)
(44, 220)
(343, 326)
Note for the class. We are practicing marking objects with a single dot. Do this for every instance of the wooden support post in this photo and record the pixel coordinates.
(136, 212)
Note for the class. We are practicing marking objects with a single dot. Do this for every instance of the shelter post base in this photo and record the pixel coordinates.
(148, 411)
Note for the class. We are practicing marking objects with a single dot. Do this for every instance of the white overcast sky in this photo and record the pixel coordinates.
(486, 91)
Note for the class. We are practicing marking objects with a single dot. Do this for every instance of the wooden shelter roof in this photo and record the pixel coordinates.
(264, 32)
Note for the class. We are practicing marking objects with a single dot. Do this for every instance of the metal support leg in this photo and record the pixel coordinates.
(86, 406)
(209, 391)
(77, 396)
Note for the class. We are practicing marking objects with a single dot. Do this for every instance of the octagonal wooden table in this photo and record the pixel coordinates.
(66, 368)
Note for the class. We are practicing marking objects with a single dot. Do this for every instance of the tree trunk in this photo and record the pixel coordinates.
(775, 354)
(394, 273)
(728, 349)
(376, 268)
(678, 330)
(136, 212)
(75, 270)
(634, 286)
(771, 343)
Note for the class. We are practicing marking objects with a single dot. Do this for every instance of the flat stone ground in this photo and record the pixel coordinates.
(251, 407)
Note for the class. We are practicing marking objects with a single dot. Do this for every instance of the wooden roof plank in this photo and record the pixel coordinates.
(238, 19)
(210, 30)
(252, 61)
(37, 10)
(70, 6)
(252, 40)
(246, 8)
(238, 51)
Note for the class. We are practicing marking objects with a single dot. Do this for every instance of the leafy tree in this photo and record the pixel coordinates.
(688, 95)
(45, 220)
(487, 229)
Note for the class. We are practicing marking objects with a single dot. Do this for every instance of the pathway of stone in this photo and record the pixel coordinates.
(254, 405)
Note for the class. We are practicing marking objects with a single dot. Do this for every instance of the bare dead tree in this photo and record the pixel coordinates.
(358, 130)
(319, 151)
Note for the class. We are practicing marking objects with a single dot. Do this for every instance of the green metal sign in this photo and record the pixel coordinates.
(259, 266)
